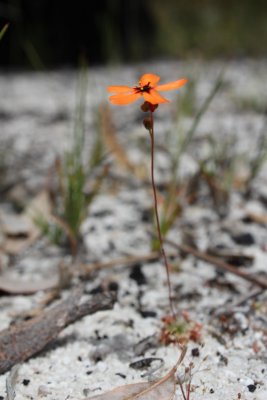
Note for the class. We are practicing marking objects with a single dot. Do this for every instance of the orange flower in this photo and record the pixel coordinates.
(147, 88)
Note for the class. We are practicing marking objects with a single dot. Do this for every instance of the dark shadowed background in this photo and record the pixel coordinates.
(50, 33)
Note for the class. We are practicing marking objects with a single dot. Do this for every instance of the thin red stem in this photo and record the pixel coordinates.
(167, 267)
(182, 389)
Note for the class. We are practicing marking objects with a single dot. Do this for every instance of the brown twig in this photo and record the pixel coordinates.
(218, 263)
(25, 339)
(126, 261)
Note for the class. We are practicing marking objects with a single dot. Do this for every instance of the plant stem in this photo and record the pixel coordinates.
(167, 267)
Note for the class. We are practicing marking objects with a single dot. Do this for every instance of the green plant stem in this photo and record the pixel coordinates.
(167, 267)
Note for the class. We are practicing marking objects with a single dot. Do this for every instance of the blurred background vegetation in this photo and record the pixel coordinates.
(48, 33)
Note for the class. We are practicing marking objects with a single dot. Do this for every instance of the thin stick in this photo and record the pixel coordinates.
(167, 267)
(218, 263)
(182, 389)
(126, 261)
(27, 338)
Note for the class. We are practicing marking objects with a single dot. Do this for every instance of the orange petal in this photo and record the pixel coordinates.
(123, 99)
(172, 85)
(154, 97)
(119, 89)
(151, 79)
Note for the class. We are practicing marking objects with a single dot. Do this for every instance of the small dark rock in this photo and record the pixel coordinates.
(240, 261)
(138, 275)
(211, 391)
(223, 359)
(148, 314)
(146, 215)
(101, 214)
(244, 239)
(113, 286)
(251, 388)
(195, 352)
(145, 362)
(89, 372)
(26, 382)
(98, 337)
(121, 375)
(247, 220)
(96, 290)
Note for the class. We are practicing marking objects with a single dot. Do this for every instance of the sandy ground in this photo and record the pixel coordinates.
(98, 352)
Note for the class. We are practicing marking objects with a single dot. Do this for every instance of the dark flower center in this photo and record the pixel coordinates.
(141, 89)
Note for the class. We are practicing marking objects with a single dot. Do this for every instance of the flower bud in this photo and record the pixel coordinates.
(148, 123)
(146, 106)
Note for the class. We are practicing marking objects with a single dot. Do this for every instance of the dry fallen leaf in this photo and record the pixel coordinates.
(20, 231)
(16, 286)
(161, 389)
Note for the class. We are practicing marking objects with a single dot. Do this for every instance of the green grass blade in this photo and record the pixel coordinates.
(203, 109)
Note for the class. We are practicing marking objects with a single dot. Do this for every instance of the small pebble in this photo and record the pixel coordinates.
(195, 352)
(113, 286)
(137, 275)
(121, 375)
(251, 388)
(244, 239)
(148, 314)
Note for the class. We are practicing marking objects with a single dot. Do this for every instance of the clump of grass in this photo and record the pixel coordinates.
(72, 198)
(178, 142)
(257, 162)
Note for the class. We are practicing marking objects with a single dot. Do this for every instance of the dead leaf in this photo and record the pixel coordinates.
(161, 389)
(15, 225)
(20, 231)
(12, 286)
